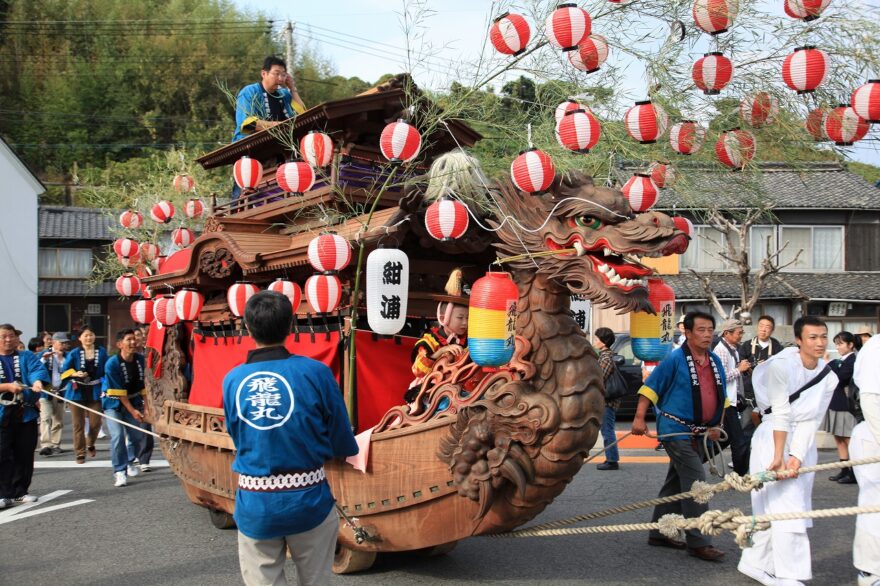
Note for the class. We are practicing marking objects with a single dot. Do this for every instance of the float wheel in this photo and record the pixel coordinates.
(221, 519)
(347, 561)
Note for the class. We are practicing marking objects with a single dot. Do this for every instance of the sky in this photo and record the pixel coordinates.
(367, 38)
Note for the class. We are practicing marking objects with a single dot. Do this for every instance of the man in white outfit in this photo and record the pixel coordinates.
(865, 443)
(792, 390)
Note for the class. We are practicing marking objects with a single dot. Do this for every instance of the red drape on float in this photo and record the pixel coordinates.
(384, 372)
(155, 341)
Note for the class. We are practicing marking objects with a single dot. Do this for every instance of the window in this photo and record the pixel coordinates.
(702, 254)
(758, 244)
(821, 247)
(54, 317)
(68, 263)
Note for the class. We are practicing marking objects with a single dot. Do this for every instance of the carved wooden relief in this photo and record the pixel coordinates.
(217, 264)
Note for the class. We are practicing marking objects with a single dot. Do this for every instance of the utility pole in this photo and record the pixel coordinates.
(288, 42)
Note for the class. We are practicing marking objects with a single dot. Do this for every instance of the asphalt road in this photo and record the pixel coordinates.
(149, 533)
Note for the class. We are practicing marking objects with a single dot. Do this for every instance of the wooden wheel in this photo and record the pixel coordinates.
(437, 550)
(221, 519)
(348, 560)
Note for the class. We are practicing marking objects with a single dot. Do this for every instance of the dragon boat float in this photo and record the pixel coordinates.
(481, 450)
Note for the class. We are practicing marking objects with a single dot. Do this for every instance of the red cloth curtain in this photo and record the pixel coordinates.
(384, 372)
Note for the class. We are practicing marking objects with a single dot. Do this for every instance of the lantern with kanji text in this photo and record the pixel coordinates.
(149, 251)
(387, 290)
(492, 317)
(815, 123)
(652, 334)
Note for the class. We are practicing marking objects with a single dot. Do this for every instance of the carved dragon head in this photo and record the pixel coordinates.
(598, 223)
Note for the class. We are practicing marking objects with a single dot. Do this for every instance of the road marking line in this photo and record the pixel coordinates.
(91, 464)
(22, 512)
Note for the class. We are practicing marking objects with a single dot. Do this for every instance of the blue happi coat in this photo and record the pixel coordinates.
(32, 370)
(72, 364)
(114, 385)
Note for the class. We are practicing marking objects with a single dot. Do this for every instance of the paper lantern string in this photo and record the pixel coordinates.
(528, 135)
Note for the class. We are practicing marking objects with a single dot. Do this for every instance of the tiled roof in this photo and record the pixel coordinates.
(69, 223)
(814, 185)
(851, 286)
(75, 288)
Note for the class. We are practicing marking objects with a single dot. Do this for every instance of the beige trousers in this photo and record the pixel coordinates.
(51, 422)
(78, 417)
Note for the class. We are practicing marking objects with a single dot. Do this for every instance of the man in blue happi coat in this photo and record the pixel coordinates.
(271, 100)
(689, 393)
(286, 417)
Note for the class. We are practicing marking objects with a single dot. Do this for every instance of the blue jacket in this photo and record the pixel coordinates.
(72, 364)
(32, 370)
(114, 384)
(250, 106)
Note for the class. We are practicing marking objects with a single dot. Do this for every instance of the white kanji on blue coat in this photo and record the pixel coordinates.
(264, 400)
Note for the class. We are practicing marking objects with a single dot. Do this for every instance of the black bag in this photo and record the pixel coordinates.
(615, 384)
(854, 401)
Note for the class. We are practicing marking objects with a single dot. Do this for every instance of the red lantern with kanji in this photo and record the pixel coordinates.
(131, 219)
(128, 284)
(323, 293)
(759, 110)
(662, 174)
(714, 16)
(492, 314)
(317, 149)
(446, 219)
(567, 26)
(400, 142)
(686, 137)
(164, 310)
(142, 311)
(532, 171)
(578, 131)
(237, 296)
(844, 126)
(866, 101)
(805, 69)
(646, 122)
(806, 10)
(712, 72)
(162, 212)
(565, 107)
(735, 148)
(296, 177)
(289, 289)
(641, 192)
(183, 183)
(126, 249)
(685, 226)
(510, 34)
(188, 304)
(247, 172)
(329, 252)
(194, 208)
(182, 237)
(651, 333)
(815, 123)
(590, 55)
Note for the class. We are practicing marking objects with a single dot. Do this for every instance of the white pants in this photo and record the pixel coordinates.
(865, 444)
(780, 553)
(262, 560)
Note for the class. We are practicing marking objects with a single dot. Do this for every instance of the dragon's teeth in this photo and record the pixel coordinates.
(604, 268)
(579, 247)
(607, 251)
(614, 279)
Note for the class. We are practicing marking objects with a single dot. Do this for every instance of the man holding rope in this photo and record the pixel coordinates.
(865, 443)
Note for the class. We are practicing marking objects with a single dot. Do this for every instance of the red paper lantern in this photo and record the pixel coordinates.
(400, 142)
(162, 212)
(759, 110)
(640, 191)
(323, 293)
(815, 123)
(289, 289)
(866, 101)
(735, 148)
(844, 126)
(237, 296)
(714, 16)
(164, 310)
(446, 219)
(131, 219)
(590, 55)
(565, 107)
(685, 226)
(182, 237)
(712, 72)
(532, 171)
(510, 34)
(806, 10)
(492, 314)
(183, 183)
(158, 263)
(247, 172)
(651, 333)
(329, 252)
(128, 284)
(567, 26)
(188, 304)
(194, 208)
(805, 69)
(125, 248)
(662, 174)
(317, 149)
(686, 137)
(149, 251)
(296, 177)
(142, 311)
(578, 131)
(646, 122)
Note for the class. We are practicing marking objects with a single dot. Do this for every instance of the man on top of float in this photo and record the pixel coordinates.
(271, 100)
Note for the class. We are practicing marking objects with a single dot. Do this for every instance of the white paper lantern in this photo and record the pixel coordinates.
(387, 290)
(580, 311)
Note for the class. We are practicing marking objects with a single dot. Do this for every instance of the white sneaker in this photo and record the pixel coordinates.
(101, 434)
(5, 503)
(866, 579)
(757, 575)
(146, 467)
(121, 480)
(134, 469)
(28, 498)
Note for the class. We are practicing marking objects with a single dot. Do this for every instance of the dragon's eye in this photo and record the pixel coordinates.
(588, 222)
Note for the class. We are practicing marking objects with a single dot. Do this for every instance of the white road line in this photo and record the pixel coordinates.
(90, 464)
(22, 512)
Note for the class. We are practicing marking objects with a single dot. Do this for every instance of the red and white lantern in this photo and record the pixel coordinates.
(805, 69)
(126, 249)
(329, 253)
(663, 174)
(188, 304)
(296, 177)
(715, 16)
(142, 311)
(641, 192)
(162, 212)
(446, 219)
(759, 110)
(164, 310)
(149, 251)
(567, 106)
(590, 54)
(684, 225)
(806, 10)
(735, 148)
(532, 171)
(183, 183)
(128, 284)
(567, 26)
(400, 142)
(686, 137)
(317, 149)
(323, 293)
(289, 289)
(237, 296)
(712, 72)
(182, 237)
(247, 172)
(194, 208)
(646, 122)
(815, 123)
(866, 101)
(578, 131)
(844, 126)
(158, 262)
(131, 219)
(510, 34)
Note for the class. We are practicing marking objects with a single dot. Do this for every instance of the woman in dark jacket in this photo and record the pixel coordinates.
(604, 339)
(839, 422)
